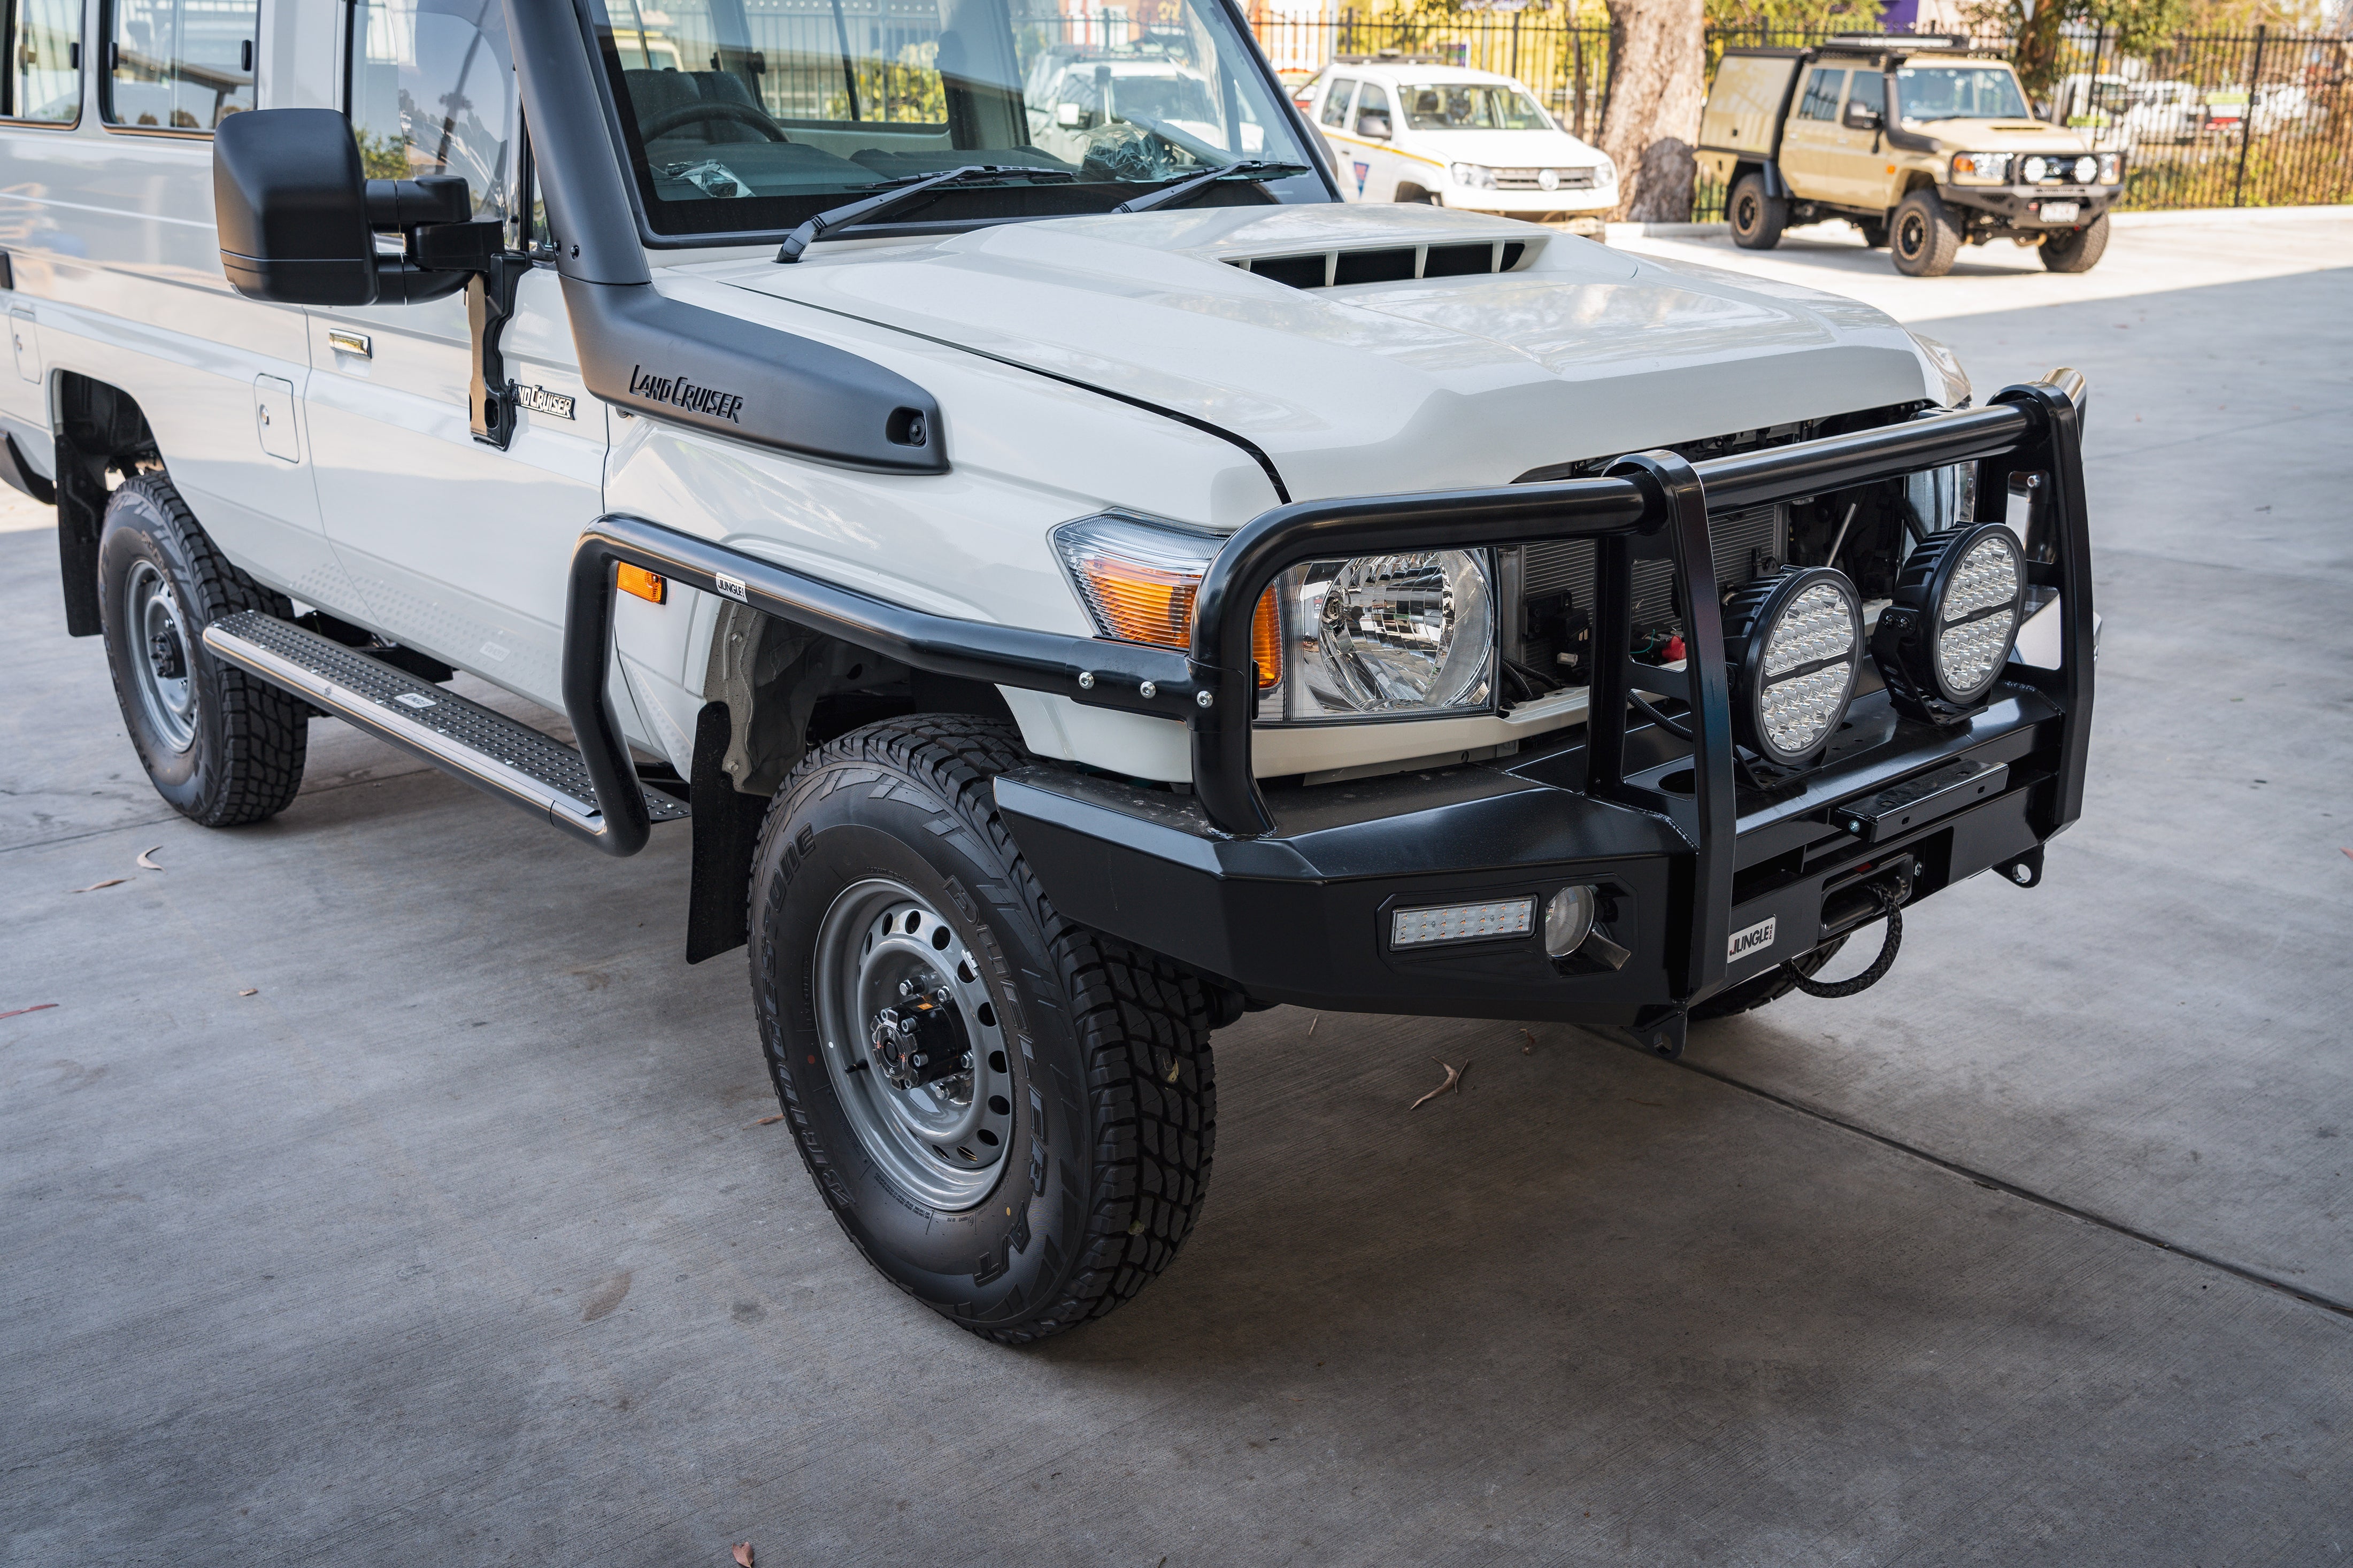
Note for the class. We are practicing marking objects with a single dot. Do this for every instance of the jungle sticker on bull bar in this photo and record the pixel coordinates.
(1755, 940)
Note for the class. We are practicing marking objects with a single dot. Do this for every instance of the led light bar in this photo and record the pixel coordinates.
(1462, 922)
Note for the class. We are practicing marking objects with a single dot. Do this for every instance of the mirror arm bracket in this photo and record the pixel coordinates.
(489, 305)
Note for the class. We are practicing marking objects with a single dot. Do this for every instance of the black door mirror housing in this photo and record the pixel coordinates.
(298, 217)
(1373, 123)
(1862, 117)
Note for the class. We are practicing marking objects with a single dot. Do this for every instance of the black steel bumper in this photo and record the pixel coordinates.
(2019, 206)
(1288, 896)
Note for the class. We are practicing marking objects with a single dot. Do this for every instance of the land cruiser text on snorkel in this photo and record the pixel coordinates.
(1119, 585)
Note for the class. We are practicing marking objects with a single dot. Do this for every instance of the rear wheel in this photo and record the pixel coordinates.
(2077, 250)
(221, 747)
(1924, 238)
(1758, 219)
(1011, 1115)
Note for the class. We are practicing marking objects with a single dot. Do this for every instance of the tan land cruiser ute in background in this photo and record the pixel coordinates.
(1915, 142)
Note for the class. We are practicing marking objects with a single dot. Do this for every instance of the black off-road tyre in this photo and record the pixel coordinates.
(236, 757)
(1923, 240)
(1770, 987)
(1112, 1120)
(1756, 219)
(2078, 249)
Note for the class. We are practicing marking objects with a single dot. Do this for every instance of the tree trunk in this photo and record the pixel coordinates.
(1657, 82)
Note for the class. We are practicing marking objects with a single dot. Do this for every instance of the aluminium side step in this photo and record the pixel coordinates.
(480, 745)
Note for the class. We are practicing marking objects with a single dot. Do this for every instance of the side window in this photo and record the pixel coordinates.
(179, 65)
(433, 93)
(1822, 101)
(1870, 90)
(1372, 98)
(1336, 103)
(44, 80)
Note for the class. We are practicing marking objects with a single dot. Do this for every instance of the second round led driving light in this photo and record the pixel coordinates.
(1941, 645)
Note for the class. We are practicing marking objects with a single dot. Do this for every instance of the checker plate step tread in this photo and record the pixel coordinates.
(351, 682)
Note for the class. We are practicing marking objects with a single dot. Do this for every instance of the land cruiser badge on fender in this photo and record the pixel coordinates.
(679, 392)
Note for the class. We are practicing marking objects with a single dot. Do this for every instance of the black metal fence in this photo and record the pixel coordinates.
(2261, 119)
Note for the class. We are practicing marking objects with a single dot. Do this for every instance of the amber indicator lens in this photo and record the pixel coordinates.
(645, 584)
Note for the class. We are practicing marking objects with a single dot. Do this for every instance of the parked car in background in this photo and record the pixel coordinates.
(1072, 93)
(1411, 130)
(2164, 112)
(1919, 144)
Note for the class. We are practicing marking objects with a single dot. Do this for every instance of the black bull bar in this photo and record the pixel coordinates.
(1226, 834)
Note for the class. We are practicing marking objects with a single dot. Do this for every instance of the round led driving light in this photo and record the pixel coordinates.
(1942, 643)
(1794, 643)
(2033, 171)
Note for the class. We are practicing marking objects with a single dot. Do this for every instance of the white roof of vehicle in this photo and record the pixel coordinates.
(1407, 70)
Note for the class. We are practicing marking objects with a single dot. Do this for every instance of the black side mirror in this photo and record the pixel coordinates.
(297, 216)
(1373, 123)
(1862, 117)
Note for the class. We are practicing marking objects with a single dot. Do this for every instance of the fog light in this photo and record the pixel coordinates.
(1794, 643)
(1462, 922)
(1941, 645)
(1568, 921)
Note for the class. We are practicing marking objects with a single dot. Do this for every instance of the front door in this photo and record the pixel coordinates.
(459, 549)
(1810, 146)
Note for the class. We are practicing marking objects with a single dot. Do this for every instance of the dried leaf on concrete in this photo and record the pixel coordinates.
(1528, 1049)
(144, 863)
(250, 990)
(769, 1121)
(36, 1007)
(109, 882)
(1453, 1080)
(1312, 1022)
(743, 1555)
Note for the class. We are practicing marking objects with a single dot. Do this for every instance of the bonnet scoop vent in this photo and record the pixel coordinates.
(1395, 264)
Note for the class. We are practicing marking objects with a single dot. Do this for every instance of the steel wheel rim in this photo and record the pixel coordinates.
(1745, 217)
(944, 1143)
(160, 646)
(1911, 233)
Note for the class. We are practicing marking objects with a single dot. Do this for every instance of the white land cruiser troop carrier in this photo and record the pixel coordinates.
(1068, 596)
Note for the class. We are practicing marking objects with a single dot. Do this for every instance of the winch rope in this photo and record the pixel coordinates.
(1891, 905)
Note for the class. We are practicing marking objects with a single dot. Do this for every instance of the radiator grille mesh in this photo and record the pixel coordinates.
(1740, 540)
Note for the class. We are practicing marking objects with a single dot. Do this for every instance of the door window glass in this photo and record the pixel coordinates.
(1336, 103)
(45, 70)
(1372, 98)
(180, 65)
(1821, 100)
(433, 93)
(1870, 90)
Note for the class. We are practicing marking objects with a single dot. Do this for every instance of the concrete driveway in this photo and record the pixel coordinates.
(458, 1240)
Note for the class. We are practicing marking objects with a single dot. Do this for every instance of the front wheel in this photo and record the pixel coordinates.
(1011, 1115)
(1924, 239)
(2079, 250)
(1758, 219)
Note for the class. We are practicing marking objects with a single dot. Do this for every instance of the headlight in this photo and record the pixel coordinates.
(1605, 175)
(1794, 643)
(1387, 635)
(1137, 576)
(1941, 645)
(2112, 168)
(1472, 175)
(1981, 168)
(2086, 170)
(1942, 498)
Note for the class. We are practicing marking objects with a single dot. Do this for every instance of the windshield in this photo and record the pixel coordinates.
(746, 116)
(1472, 106)
(1958, 93)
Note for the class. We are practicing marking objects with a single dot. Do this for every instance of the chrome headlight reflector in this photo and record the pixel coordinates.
(1981, 168)
(1795, 644)
(1411, 634)
(1476, 174)
(1941, 645)
(2112, 168)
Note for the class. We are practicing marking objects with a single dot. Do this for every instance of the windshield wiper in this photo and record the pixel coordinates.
(1252, 170)
(873, 209)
